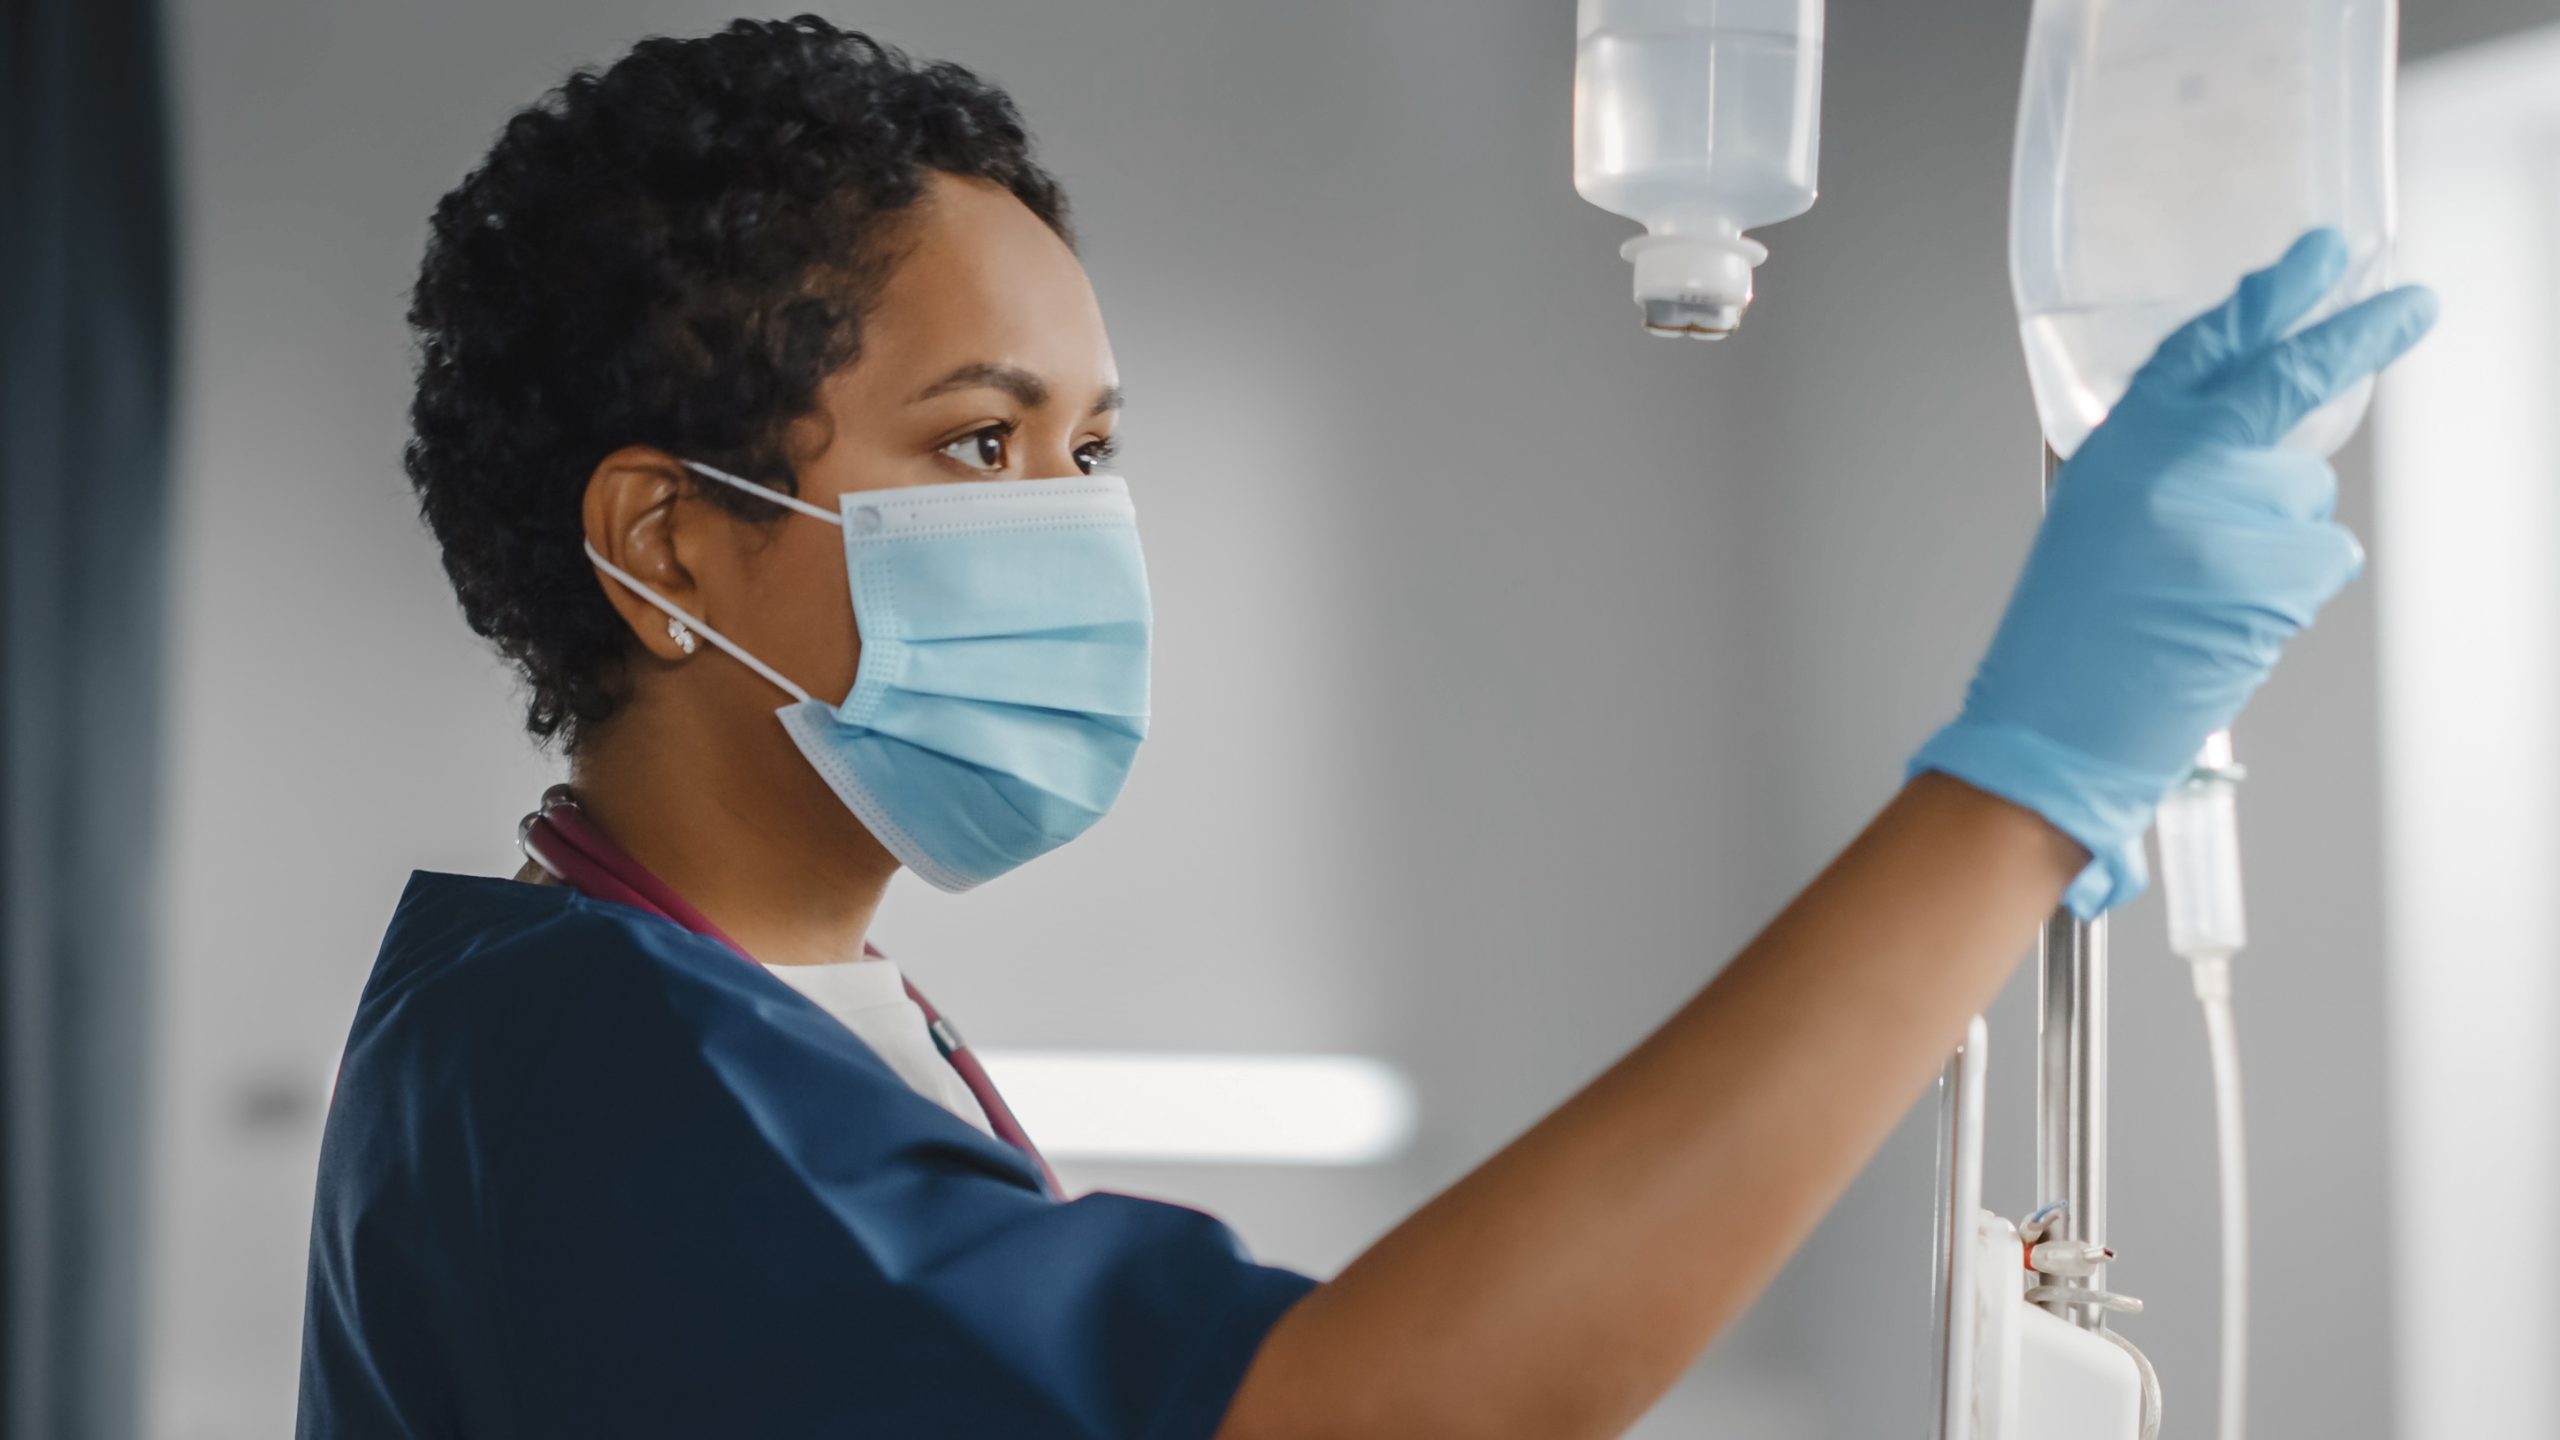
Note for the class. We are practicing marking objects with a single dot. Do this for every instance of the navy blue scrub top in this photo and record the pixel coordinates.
(587, 1173)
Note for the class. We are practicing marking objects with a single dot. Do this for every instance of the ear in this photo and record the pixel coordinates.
(630, 516)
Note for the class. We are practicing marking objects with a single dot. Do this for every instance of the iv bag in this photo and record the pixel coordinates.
(2165, 149)
(1701, 118)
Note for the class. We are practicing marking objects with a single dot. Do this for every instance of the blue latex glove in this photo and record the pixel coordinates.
(2180, 551)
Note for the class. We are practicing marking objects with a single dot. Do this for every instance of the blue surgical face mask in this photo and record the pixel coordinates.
(1002, 690)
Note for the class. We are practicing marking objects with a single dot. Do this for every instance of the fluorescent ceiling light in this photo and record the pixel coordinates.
(1222, 1109)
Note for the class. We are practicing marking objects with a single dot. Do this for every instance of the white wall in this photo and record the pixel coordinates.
(1514, 665)
(2469, 455)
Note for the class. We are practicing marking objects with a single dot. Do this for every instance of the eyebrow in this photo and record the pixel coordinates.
(1013, 380)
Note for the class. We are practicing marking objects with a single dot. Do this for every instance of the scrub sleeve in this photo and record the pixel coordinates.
(621, 1183)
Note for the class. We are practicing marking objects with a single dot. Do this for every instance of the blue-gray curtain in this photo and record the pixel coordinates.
(85, 357)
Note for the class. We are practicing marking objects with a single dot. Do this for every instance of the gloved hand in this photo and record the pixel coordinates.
(2181, 549)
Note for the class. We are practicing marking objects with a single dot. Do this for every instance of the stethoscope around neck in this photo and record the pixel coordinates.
(575, 851)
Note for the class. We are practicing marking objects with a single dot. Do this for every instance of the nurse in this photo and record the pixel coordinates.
(765, 419)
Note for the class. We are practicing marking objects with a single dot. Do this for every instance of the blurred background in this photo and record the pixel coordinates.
(1514, 666)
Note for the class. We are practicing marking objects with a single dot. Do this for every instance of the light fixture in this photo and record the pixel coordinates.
(1207, 1108)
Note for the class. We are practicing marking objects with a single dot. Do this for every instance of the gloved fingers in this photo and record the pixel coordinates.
(2276, 573)
(2268, 303)
(2283, 484)
(2273, 391)
(2350, 555)
(2319, 561)
(2300, 486)
(2326, 558)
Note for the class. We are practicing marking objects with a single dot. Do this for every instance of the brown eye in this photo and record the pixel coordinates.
(981, 450)
(1091, 458)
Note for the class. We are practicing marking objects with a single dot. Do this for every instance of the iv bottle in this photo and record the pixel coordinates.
(2167, 148)
(1702, 119)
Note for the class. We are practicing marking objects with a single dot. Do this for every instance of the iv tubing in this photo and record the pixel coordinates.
(2222, 1046)
(2200, 875)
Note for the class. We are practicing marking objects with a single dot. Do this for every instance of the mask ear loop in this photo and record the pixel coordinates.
(762, 492)
(632, 583)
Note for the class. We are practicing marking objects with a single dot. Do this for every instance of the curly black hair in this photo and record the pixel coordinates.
(674, 251)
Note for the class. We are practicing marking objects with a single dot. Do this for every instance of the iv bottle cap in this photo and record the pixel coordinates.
(1696, 286)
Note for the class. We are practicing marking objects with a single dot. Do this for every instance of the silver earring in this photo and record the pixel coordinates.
(677, 631)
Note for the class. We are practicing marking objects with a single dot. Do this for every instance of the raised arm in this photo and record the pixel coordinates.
(1560, 1288)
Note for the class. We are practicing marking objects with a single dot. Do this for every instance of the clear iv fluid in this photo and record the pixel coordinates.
(2167, 148)
(1701, 119)
(1664, 132)
(2080, 360)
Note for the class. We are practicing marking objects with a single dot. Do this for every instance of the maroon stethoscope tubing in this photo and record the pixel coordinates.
(562, 840)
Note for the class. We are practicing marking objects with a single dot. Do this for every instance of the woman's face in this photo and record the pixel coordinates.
(984, 359)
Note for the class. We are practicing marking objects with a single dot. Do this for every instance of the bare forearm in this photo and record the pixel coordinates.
(1561, 1287)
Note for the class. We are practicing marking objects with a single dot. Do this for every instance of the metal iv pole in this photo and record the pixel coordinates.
(2071, 1102)
(2071, 1146)
(2071, 1083)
